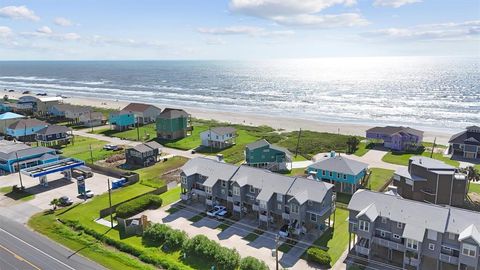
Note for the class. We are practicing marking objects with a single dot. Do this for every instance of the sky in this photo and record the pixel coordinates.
(236, 29)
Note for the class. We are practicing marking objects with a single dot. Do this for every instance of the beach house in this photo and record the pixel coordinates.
(269, 198)
(401, 233)
(262, 154)
(13, 155)
(430, 180)
(25, 130)
(218, 137)
(143, 155)
(173, 124)
(121, 121)
(5, 106)
(346, 174)
(144, 113)
(53, 135)
(92, 119)
(466, 144)
(70, 112)
(8, 118)
(396, 138)
(39, 105)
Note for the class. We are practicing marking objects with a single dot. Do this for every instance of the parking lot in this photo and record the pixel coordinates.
(57, 187)
(193, 222)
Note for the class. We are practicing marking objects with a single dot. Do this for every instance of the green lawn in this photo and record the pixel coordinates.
(474, 188)
(253, 235)
(197, 217)
(299, 158)
(150, 176)
(146, 133)
(17, 195)
(402, 158)
(170, 196)
(336, 241)
(378, 177)
(296, 172)
(80, 149)
(361, 149)
(187, 143)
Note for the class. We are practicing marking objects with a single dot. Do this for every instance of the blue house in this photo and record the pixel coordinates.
(7, 119)
(5, 107)
(122, 121)
(345, 173)
(25, 129)
(15, 155)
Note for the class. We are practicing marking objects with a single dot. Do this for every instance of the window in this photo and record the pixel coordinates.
(223, 191)
(399, 225)
(324, 172)
(224, 183)
(279, 197)
(313, 217)
(279, 206)
(396, 236)
(236, 191)
(184, 180)
(344, 177)
(384, 220)
(339, 175)
(294, 208)
(330, 173)
(431, 246)
(263, 204)
(208, 190)
(364, 225)
(310, 203)
(252, 189)
(412, 244)
(468, 250)
(432, 235)
(451, 236)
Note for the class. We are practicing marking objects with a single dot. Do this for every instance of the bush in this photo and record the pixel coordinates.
(251, 263)
(163, 234)
(175, 239)
(201, 246)
(318, 255)
(156, 233)
(138, 205)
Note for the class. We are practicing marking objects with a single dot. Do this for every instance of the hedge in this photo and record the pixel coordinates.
(201, 246)
(163, 234)
(319, 256)
(138, 205)
(251, 263)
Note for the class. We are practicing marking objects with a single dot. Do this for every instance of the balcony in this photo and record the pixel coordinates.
(286, 215)
(199, 192)
(229, 198)
(448, 259)
(389, 244)
(209, 202)
(411, 261)
(237, 208)
(255, 207)
(362, 250)
(263, 218)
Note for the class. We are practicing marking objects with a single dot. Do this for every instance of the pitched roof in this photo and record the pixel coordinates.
(213, 170)
(138, 107)
(154, 145)
(470, 232)
(221, 130)
(10, 115)
(9, 150)
(149, 146)
(53, 129)
(370, 212)
(340, 164)
(304, 190)
(430, 163)
(390, 130)
(263, 142)
(469, 136)
(171, 113)
(72, 108)
(27, 123)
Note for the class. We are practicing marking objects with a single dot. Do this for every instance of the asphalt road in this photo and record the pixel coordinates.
(23, 249)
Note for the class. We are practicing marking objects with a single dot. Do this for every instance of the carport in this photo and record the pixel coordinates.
(41, 171)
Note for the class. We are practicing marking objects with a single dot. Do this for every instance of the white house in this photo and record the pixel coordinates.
(144, 113)
(218, 137)
(92, 119)
(40, 105)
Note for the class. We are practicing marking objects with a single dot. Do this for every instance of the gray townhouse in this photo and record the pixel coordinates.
(412, 235)
(430, 180)
(270, 198)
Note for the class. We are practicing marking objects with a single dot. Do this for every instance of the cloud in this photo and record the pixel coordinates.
(45, 30)
(5, 32)
(441, 31)
(60, 21)
(244, 30)
(215, 41)
(124, 42)
(394, 3)
(47, 33)
(299, 13)
(18, 12)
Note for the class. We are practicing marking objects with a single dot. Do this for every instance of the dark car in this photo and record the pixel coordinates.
(26, 92)
(65, 201)
(11, 90)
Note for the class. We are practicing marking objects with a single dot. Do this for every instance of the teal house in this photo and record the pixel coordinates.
(345, 173)
(173, 124)
(262, 154)
(122, 121)
(19, 155)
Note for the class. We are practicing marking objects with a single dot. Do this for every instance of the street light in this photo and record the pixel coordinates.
(277, 239)
(19, 173)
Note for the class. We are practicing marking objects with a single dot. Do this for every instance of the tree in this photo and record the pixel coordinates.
(472, 174)
(352, 143)
(55, 202)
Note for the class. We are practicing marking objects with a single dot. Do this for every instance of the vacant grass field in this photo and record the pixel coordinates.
(474, 187)
(402, 158)
(150, 176)
(144, 133)
(80, 149)
(336, 240)
(362, 149)
(378, 178)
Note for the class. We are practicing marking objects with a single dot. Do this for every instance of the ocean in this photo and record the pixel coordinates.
(441, 93)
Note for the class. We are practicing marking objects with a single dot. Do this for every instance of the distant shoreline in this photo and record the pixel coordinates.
(277, 122)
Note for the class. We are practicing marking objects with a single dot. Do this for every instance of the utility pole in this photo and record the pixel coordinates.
(276, 251)
(433, 147)
(91, 154)
(19, 174)
(110, 202)
(91, 120)
(138, 131)
(298, 142)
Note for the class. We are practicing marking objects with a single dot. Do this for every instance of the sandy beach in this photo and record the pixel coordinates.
(285, 123)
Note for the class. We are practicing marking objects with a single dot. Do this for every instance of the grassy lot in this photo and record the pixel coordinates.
(378, 177)
(80, 149)
(296, 172)
(299, 158)
(336, 241)
(17, 195)
(146, 133)
(187, 143)
(474, 188)
(402, 158)
(150, 176)
(171, 196)
(362, 149)
(253, 235)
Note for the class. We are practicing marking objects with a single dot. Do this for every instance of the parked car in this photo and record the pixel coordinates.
(41, 94)
(217, 211)
(11, 90)
(112, 147)
(26, 92)
(65, 201)
(284, 231)
(88, 193)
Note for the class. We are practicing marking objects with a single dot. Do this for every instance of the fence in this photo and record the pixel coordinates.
(112, 172)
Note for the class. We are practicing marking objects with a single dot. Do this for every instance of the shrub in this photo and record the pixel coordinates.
(162, 234)
(201, 246)
(138, 205)
(251, 263)
(318, 255)
(156, 233)
(175, 239)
